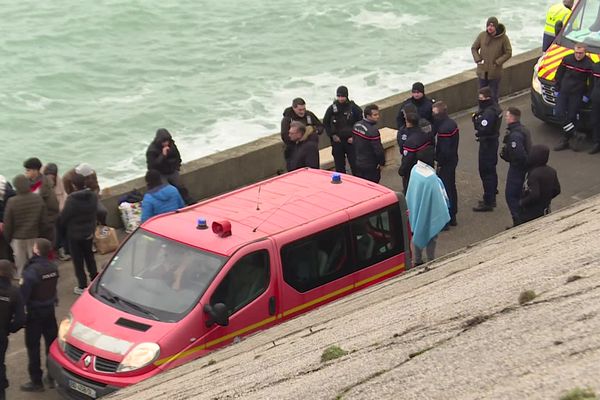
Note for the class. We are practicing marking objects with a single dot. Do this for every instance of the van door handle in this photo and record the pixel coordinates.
(272, 305)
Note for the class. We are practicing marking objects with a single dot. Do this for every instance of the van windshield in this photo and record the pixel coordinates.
(583, 26)
(156, 278)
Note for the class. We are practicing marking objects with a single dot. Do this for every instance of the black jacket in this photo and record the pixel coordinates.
(517, 145)
(38, 287)
(487, 120)
(304, 154)
(447, 133)
(12, 311)
(7, 192)
(340, 118)
(418, 147)
(309, 119)
(155, 159)
(541, 186)
(595, 96)
(423, 105)
(79, 215)
(574, 77)
(367, 145)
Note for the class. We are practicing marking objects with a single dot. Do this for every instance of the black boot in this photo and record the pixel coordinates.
(483, 207)
(563, 145)
(595, 149)
(492, 203)
(32, 387)
(453, 221)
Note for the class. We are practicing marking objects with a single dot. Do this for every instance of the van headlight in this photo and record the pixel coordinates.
(536, 85)
(140, 356)
(63, 329)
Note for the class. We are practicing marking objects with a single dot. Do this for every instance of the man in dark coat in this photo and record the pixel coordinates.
(298, 112)
(6, 192)
(38, 289)
(370, 156)
(418, 147)
(163, 156)
(339, 119)
(517, 144)
(446, 153)
(12, 316)
(78, 223)
(541, 186)
(595, 98)
(304, 151)
(419, 101)
(40, 184)
(25, 219)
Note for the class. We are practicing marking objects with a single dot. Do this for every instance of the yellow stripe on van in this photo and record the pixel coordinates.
(266, 321)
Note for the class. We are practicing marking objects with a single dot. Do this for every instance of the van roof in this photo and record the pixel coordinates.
(284, 202)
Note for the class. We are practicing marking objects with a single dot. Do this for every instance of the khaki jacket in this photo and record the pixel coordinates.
(493, 51)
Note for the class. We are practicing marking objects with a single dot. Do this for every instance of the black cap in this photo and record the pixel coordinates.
(342, 91)
(33, 163)
(486, 91)
(418, 87)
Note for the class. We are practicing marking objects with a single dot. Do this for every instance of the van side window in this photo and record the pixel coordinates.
(316, 260)
(377, 236)
(244, 282)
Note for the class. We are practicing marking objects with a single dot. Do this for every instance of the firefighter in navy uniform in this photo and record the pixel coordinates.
(339, 119)
(487, 121)
(38, 288)
(419, 146)
(595, 98)
(419, 101)
(370, 155)
(446, 153)
(573, 80)
(12, 315)
(515, 150)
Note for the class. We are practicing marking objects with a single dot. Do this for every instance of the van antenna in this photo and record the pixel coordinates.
(290, 197)
(258, 199)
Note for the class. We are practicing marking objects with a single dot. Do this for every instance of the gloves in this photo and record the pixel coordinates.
(586, 99)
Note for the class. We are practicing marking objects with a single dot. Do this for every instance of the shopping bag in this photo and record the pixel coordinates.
(106, 239)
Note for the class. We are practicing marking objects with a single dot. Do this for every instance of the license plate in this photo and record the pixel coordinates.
(88, 391)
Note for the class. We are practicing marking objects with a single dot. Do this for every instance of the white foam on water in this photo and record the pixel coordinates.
(388, 20)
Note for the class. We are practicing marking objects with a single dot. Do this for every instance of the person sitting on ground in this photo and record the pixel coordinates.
(160, 198)
(304, 152)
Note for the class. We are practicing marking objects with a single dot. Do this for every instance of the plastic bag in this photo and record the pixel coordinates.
(131, 215)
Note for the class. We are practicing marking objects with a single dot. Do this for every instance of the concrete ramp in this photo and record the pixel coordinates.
(452, 330)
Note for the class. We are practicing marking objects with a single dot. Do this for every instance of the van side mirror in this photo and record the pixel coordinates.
(558, 27)
(217, 314)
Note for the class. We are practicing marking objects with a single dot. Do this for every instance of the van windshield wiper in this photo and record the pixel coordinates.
(135, 307)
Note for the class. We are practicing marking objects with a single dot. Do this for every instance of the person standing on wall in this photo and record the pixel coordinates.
(339, 119)
(420, 101)
(38, 290)
(573, 83)
(370, 156)
(12, 316)
(555, 18)
(298, 112)
(491, 49)
(446, 153)
(595, 116)
(541, 186)
(517, 145)
(487, 121)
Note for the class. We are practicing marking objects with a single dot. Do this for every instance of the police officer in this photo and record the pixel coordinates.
(487, 121)
(517, 145)
(370, 156)
(573, 78)
(419, 146)
(446, 153)
(557, 14)
(339, 119)
(38, 289)
(419, 101)
(595, 98)
(12, 315)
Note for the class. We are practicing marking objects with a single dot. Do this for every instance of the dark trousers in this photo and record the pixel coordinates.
(547, 41)
(174, 179)
(514, 187)
(340, 151)
(567, 108)
(595, 119)
(370, 174)
(493, 84)
(488, 159)
(447, 174)
(81, 250)
(3, 347)
(40, 322)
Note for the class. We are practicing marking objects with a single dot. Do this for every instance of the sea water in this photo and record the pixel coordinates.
(93, 80)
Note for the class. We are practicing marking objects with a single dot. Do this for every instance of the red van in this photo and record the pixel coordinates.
(188, 282)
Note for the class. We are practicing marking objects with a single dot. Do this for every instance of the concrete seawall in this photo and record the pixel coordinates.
(262, 158)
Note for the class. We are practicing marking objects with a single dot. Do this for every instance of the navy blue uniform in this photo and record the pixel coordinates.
(339, 120)
(595, 98)
(38, 289)
(446, 155)
(487, 123)
(12, 318)
(370, 156)
(517, 144)
(424, 109)
(417, 147)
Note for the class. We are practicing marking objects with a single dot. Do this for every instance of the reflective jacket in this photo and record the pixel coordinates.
(557, 12)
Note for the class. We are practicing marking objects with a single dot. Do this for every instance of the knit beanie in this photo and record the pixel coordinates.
(418, 87)
(342, 91)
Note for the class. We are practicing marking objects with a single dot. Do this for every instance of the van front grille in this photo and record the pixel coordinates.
(104, 365)
(73, 352)
(548, 93)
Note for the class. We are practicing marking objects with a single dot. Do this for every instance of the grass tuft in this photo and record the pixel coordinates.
(332, 352)
(579, 394)
(526, 296)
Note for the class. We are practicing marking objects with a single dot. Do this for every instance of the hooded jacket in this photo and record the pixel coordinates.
(541, 186)
(25, 215)
(43, 187)
(493, 51)
(155, 159)
(78, 219)
(159, 200)
(304, 153)
(309, 120)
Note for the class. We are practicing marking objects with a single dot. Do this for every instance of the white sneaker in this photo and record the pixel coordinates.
(77, 290)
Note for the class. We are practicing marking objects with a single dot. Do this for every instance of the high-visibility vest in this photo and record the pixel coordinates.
(557, 12)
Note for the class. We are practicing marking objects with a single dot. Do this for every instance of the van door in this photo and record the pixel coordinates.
(247, 286)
